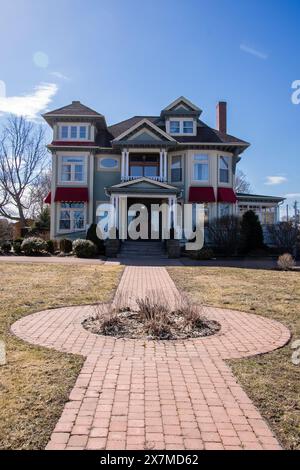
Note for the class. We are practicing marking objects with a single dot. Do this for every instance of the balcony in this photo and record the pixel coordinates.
(147, 165)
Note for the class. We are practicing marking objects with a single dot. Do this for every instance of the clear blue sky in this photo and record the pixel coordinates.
(132, 57)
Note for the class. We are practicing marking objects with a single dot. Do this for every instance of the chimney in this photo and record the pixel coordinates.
(222, 117)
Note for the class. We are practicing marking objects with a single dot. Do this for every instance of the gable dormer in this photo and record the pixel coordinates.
(181, 117)
(75, 123)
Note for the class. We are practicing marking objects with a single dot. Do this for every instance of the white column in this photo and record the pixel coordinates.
(170, 211)
(117, 212)
(91, 189)
(123, 164)
(53, 211)
(174, 214)
(127, 165)
(161, 164)
(165, 166)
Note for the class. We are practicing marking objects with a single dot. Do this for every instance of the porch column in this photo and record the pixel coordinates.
(123, 164)
(161, 164)
(165, 165)
(127, 165)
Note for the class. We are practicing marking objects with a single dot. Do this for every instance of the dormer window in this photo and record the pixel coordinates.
(174, 127)
(188, 127)
(181, 126)
(74, 132)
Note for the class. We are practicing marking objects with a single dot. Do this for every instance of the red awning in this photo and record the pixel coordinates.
(71, 195)
(226, 195)
(48, 199)
(201, 194)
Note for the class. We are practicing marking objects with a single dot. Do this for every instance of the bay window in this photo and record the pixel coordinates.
(200, 167)
(224, 169)
(71, 216)
(73, 169)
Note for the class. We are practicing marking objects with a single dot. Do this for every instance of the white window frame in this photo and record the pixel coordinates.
(105, 157)
(181, 120)
(195, 162)
(72, 210)
(69, 126)
(228, 183)
(72, 180)
(173, 121)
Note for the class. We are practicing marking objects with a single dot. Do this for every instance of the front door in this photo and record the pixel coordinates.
(152, 220)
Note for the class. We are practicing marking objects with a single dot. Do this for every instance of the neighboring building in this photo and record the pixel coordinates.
(173, 157)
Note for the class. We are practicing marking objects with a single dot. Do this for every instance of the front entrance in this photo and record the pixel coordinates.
(154, 221)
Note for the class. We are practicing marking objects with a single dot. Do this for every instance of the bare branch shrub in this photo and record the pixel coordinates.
(286, 262)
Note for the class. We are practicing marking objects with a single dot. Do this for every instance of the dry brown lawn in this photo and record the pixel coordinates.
(35, 382)
(271, 380)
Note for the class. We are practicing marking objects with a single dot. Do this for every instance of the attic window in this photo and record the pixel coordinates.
(182, 126)
(174, 127)
(188, 127)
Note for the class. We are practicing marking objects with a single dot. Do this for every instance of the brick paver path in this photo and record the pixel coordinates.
(136, 394)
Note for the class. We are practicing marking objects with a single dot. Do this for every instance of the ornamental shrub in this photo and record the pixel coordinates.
(33, 246)
(65, 245)
(84, 248)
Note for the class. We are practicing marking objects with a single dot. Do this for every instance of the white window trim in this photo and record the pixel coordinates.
(78, 138)
(72, 182)
(221, 183)
(181, 120)
(104, 157)
(59, 209)
(200, 182)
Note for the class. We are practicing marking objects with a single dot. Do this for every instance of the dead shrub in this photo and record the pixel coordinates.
(191, 313)
(111, 323)
(286, 262)
(153, 307)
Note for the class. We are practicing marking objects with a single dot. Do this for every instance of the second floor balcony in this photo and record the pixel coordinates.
(148, 165)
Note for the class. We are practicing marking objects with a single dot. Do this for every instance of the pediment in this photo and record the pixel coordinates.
(144, 131)
(144, 183)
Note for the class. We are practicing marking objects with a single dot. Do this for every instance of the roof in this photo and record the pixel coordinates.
(249, 196)
(74, 109)
(205, 134)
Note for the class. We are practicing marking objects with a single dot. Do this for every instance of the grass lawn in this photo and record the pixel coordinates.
(35, 383)
(271, 380)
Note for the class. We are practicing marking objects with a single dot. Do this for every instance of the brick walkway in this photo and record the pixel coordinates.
(135, 394)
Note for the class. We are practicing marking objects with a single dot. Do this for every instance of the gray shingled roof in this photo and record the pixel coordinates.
(74, 109)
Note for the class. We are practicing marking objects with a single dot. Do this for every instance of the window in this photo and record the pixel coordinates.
(174, 127)
(188, 127)
(176, 169)
(224, 169)
(224, 210)
(109, 163)
(74, 132)
(72, 169)
(82, 132)
(64, 132)
(200, 168)
(71, 216)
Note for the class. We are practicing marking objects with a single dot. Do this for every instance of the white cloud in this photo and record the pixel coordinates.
(254, 52)
(59, 75)
(29, 105)
(272, 180)
(292, 196)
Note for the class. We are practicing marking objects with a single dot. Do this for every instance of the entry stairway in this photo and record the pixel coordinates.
(142, 249)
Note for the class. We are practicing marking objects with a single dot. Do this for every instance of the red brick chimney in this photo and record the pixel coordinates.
(222, 117)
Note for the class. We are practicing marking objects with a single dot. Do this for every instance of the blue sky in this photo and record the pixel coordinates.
(131, 57)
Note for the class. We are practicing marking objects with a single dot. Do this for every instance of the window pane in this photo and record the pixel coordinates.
(176, 169)
(224, 176)
(109, 162)
(188, 127)
(150, 171)
(78, 220)
(64, 132)
(82, 132)
(224, 169)
(78, 173)
(73, 132)
(201, 171)
(174, 127)
(64, 222)
(201, 157)
(136, 170)
(66, 173)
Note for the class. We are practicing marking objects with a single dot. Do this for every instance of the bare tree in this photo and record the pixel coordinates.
(242, 185)
(5, 230)
(23, 157)
(38, 192)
